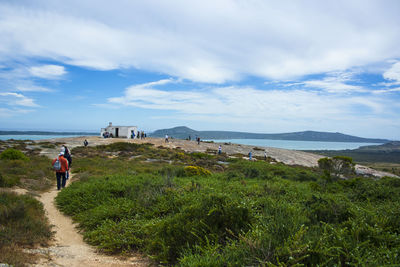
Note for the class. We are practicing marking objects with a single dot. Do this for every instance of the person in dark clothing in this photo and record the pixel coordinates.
(85, 143)
(67, 155)
(60, 174)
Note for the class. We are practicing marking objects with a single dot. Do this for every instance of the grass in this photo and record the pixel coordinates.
(31, 171)
(23, 224)
(139, 198)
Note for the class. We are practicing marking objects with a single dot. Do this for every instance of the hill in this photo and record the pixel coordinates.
(183, 132)
(388, 152)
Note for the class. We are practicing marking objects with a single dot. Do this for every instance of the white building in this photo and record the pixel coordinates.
(119, 131)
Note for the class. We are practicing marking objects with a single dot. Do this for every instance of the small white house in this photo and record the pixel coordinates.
(119, 131)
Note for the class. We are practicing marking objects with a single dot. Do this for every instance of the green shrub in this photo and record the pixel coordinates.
(22, 223)
(117, 236)
(212, 217)
(13, 154)
(264, 170)
(200, 155)
(35, 173)
(196, 170)
(338, 165)
(328, 209)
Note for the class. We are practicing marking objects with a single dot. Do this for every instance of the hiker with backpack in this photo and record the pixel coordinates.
(67, 155)
(60, 165)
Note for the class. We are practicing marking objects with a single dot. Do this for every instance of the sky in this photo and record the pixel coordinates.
(237, 65)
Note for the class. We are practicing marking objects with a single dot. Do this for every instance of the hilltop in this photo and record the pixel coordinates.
(183, 132)
(388, 152)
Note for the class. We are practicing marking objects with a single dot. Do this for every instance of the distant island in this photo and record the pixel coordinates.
(183, 132)
(388, 153)
(44, 133)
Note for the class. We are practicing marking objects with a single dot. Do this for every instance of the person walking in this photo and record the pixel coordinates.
(265, 155)
(60, 165)
(219, 150)
(166, 138)
(67, 155)
(85, 143)
(250, 155)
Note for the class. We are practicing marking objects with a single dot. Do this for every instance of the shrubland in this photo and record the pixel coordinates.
(23, 167)
(22, 219)
(195, 209)
(23, 224)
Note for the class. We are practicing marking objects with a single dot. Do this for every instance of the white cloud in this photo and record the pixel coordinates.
(383, 91)
(8, 113)
(393, 74)
(15, 99)
(47, 71)
(32, 88)
(335, 82)
(249, 109)
(249, 104)
(208, 41)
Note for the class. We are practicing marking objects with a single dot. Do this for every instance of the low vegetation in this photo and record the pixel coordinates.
(337, 166)
(27, 170)
(196, 209)
(23, 224)
(22, 220)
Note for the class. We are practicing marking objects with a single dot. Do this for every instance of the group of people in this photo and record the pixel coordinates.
(107, 135)
(251, 155)
(140, 135)
(61, 165)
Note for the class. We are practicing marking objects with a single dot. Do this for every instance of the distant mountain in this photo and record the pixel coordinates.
(393, 146)
(387, 153)
(183, 132)
(44, 133)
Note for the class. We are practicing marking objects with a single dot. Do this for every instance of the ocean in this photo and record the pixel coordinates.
(33, 137)
(297, 145)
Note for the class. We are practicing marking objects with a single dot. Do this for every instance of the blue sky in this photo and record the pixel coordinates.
(250, 65)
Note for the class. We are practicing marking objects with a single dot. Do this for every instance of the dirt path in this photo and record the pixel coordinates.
(68, 248)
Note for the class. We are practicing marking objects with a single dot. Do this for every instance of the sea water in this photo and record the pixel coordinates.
(33, 137)
(297, 145)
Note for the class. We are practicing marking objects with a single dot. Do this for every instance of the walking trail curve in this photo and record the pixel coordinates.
(68, 247)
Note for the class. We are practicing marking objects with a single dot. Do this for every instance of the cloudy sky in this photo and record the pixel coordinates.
(240, 65)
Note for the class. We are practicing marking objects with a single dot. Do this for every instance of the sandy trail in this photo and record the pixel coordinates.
(68, 248)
